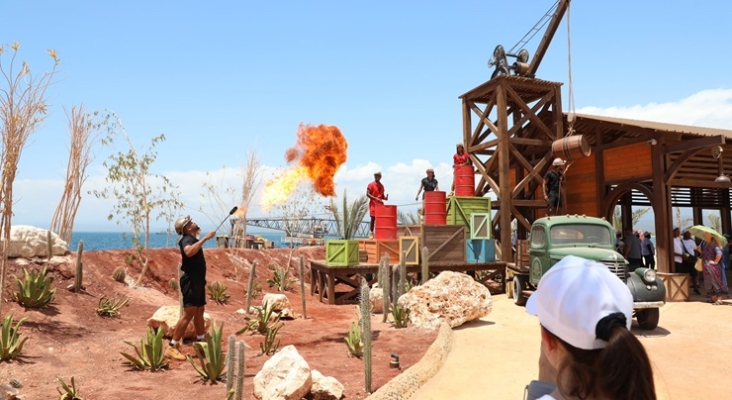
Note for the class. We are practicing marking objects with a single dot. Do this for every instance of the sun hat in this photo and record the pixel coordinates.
(181, 223)
(460, 144)
(574, 295)
(558, 161)
(377, 173)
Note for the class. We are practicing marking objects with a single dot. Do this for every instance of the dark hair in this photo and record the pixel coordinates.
(621, 370)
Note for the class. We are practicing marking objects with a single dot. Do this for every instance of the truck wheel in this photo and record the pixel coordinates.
(519, 284)
(648, 318)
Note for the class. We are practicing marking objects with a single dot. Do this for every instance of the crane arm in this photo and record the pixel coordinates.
(548, 36)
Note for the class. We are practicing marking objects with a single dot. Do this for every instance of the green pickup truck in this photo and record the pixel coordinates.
(552, 238)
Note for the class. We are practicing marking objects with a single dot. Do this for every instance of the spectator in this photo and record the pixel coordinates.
(632, 250)
(689, 256)
(590, 346)
(648, 251)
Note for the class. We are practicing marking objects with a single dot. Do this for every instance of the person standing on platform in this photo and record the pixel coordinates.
(461, 157)
(552, 184)
(688, 258)
(632, 250)
(429, 184)
(375, 193)
(648, 251)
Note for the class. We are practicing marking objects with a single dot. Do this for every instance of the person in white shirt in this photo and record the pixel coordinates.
(689, 260)
(585, 313)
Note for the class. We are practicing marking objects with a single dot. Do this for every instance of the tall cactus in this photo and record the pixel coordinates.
(386, 289)
(230, 364)
(79, 270)
(394, 285)
(366, 333)
(49, 243)
(302, 288)
(240, 373)
(425, 265)
(402, 274)
(250, 285)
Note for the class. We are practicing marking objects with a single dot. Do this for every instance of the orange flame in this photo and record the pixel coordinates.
(319, 152)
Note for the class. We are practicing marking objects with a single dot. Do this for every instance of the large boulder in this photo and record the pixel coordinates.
(325, 387)
(29, 241)
(376, 298)
(276, 301)
(452, 297)
(285, 376)
(167, 316)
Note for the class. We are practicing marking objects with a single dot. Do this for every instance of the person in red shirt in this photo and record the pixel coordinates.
(460, 158)
(375, 193)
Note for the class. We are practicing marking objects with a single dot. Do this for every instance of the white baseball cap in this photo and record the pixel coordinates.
(558, 161)
(574, 295)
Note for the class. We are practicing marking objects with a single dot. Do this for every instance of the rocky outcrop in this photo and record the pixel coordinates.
(285, 376)
(325, 387)
(376, 297)
(167, 316)
(452, 297)
(279, 303)
(28, 242)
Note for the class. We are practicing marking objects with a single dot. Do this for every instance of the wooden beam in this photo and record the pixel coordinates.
(551, 29)
(483, 146)
(483, 117)
(527, 111)
(702, 143)
(531, 142)
(534, 111)
(486, 121)
(504, 169)
(662, 213)
(485, 173)
(520, 218)
(467, 123)
(696, 183)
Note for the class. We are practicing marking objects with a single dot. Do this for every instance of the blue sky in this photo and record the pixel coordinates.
(220, 78)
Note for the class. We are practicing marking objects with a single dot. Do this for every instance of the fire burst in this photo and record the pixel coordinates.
(319, 152)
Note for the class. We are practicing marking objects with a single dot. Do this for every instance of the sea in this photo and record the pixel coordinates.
(123, 241)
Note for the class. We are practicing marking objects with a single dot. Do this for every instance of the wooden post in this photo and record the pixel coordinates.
(504, 171)
(302, 288)
(661, 211)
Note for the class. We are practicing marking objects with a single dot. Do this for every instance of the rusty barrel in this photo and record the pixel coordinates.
(464, 181)
(386, 222)
(571, 147)
(435, 212)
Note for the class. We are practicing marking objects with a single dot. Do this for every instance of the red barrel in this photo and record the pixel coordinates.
(434, 208)
(386, 222)
(464, 180)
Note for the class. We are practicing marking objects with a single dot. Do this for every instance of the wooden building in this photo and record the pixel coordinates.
(510, 123)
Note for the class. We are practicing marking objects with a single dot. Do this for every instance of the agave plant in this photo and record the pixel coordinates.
(210, 355)
(150, 355)
(34, 290)
(10, 343)
(350, 216)
(353, 340)
(68, 392)
(263, 321)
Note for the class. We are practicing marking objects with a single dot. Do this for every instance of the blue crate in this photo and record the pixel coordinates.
(481, 250)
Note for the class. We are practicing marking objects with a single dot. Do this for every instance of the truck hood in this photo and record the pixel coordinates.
(591, 253)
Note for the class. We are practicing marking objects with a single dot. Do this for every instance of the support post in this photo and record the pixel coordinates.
(504, 171)
(661, 211)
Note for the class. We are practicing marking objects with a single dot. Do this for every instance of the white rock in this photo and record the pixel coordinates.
(376, 298)
(325, 387)
(28, 242)
(452, 297)
(167, 316)
(240, 311)
(276, 301)
(285, 376)
(287, 313)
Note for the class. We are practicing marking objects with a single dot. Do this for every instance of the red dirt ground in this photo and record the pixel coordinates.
(68, 338)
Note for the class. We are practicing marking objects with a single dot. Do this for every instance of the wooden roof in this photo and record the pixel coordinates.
(529, 89)
(629, 125)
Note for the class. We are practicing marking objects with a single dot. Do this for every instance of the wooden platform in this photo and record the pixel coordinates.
(325, 279)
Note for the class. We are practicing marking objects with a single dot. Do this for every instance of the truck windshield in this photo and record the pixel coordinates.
(581, 234)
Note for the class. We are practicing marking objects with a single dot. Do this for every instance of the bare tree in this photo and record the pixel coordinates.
(85, 131)
(251, 173)
(22, 109)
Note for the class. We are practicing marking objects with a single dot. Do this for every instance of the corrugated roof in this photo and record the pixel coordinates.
(658, 126)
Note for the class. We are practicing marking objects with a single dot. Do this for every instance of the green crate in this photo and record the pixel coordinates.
(480, 226)
(459, 209)
(341, 253)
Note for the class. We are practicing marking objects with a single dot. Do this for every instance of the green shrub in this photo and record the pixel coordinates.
(217, 292)
(68, 392)
(256, 290)
(150, 355)
(110, 307)
(353, 340)
(210, 355)
(262, 322)
(400, 315)
(119, 275)
(10, 343)
(281, 280)
(269, 346)
(34, 290)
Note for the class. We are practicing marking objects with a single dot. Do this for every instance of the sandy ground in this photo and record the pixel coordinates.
(497, 356)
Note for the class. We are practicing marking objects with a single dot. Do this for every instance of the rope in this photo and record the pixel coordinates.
(571, 114)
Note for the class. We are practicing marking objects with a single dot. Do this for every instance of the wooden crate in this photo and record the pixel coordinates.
(480, 226)
(445, 243)
(523, 260)
(459, 209)
(677, 286)
(409, 230)
(480, 250)
(341, 253)
(409, 246)
(375, 249)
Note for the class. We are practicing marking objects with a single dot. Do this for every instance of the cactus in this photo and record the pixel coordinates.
(119, 275)
(394, 285)
(250, 286)
(79, 270)
(425, 265)
(366, 333)
(49, 244)
(302, 288)
(386, 273)
(402, 274)
(230, 364)
(240, 374)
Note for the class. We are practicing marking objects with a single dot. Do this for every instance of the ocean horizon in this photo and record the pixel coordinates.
(123, 240)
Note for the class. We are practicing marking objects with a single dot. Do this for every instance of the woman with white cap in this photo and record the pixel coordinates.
(585, 314)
